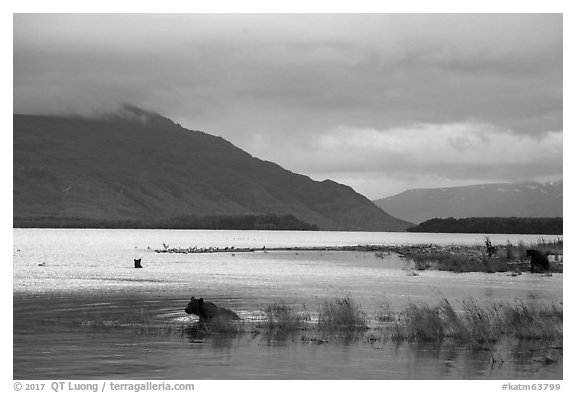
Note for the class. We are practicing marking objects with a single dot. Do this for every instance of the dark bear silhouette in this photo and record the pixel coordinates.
(538, 261)
(137, 263)
(207, 310)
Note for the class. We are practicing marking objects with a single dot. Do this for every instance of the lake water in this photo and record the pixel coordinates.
(74, 288)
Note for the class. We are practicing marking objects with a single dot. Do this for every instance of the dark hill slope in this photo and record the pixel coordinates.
(145, 167)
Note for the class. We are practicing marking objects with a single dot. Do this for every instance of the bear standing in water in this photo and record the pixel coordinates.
(538, 262)
(207, 310)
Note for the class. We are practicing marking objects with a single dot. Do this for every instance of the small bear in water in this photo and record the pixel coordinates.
(137, 263)
(208, 310)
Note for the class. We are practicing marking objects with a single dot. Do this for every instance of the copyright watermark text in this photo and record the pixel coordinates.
(103, 386)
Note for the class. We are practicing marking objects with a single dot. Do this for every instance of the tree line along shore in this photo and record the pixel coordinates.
(267, 222)
(503, 225)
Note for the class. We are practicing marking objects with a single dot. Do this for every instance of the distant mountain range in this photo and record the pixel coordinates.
(139, 165)
(527, 199)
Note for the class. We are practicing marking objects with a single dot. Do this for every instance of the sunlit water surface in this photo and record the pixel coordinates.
(64, 280)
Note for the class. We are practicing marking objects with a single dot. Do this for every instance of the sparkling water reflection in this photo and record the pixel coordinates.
(70, 313)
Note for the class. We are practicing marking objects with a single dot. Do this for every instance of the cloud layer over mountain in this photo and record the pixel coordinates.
(380, 102)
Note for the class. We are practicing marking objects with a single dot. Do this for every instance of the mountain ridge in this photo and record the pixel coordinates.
(141, 165)
(520, 199)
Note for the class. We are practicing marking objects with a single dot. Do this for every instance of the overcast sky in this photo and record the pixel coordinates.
(380, 102)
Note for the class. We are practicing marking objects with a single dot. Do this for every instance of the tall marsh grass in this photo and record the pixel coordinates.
(468, 322)
(284, 317)
(476, 324)
(341, 313)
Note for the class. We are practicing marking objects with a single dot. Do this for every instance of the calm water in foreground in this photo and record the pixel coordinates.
(67, 312)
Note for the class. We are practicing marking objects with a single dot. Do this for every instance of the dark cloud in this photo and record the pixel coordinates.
(275, 85)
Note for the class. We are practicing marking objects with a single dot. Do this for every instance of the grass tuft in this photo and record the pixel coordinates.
(422, 323)
(482, 323)
(533, 320)
(282, 316)
(341, 313)
(479, 325)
